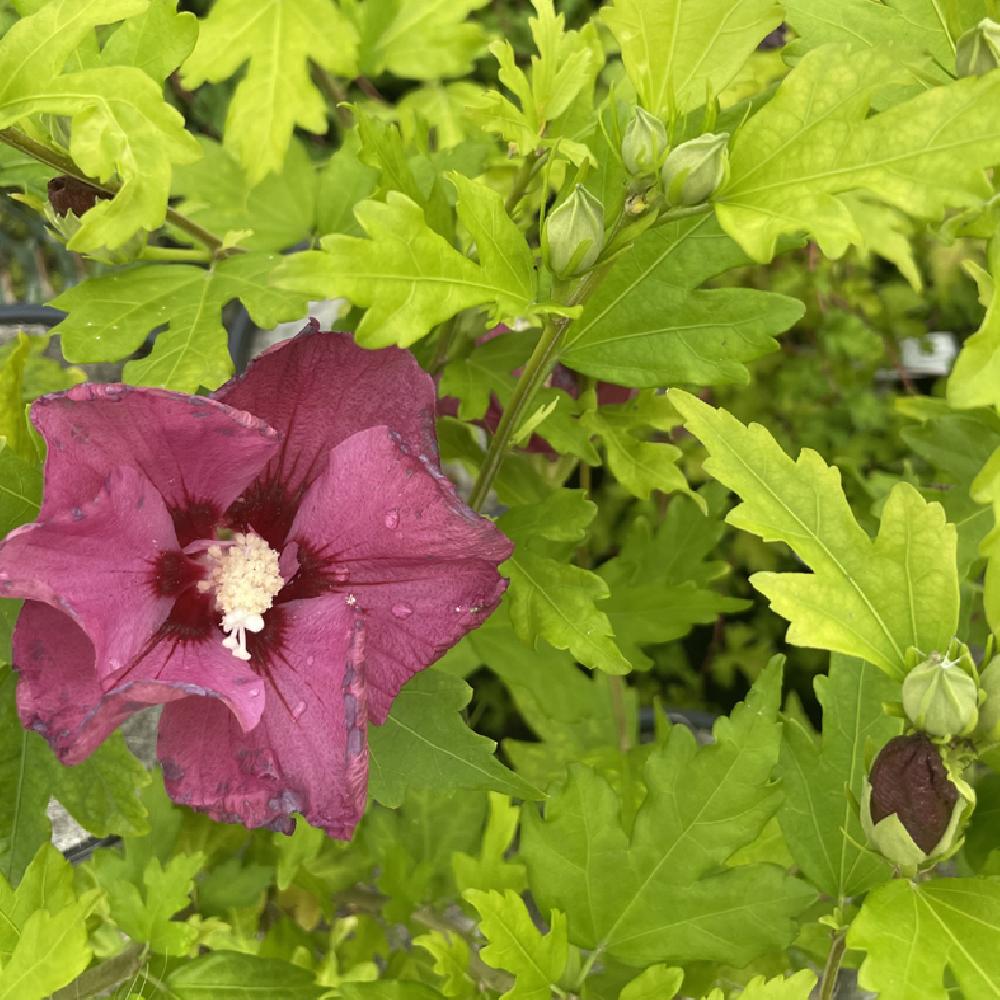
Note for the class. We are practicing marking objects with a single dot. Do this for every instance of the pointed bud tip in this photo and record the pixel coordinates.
(574, 234)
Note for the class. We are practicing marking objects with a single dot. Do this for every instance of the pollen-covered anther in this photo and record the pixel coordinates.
(244, 576)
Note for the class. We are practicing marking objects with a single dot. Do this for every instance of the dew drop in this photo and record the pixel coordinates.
(392, 518)
(297, 711)
(402, 611)
(310, 660)
(350, 600)
(254, 692)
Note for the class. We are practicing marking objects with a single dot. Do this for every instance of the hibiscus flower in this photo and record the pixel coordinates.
(271, 564)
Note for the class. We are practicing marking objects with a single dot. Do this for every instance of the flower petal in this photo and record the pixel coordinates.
(198, 453)
(386, 526)
(97, 562)
(318, 389)
(60, 697)
(309, 752)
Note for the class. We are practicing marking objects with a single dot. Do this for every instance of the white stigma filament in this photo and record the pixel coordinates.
(245, 579)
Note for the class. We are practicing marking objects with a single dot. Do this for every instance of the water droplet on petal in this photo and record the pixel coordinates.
(402, 610)
(310, 660)
(392, 518)
(255, 692)
(297, 711)
(350, 600)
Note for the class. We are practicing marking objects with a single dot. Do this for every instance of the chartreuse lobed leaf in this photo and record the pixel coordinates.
(980, 849)
(796, 987)
(421, 41)
(122, 129)
(408, 277)
(111, 315)
(553, 599)
(640, 465)
(867, 598)
(156, 41)
(504, 254)
(47, 884)
(886, 231)
(572, 713)
(649, 323)
(986, 490)
(100, 793)
(920, 25)
(816, 139)
(662, 892)
(658, 982)
(145, 912)
(818, 819)
(917, 933)
(37, 46)
(677, 52)
(241, 976)
(388, 989)
(451, 961)
(277, 39)
(537, 960)
(13, 419)
(43, 930)
(425, 743)
(382, 148)
(278, 212)
(658, 580)
(975, 378)
(566, 66)
(492, 870)
(412, 846)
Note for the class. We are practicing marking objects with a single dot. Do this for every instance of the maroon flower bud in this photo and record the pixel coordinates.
(909, 779)
(68, 194)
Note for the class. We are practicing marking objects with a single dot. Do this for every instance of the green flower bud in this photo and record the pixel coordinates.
(644, 144)
(988, 729)
(694, 170)
(574, 234)
(978, 50)
(69, 200)
(940, 697)
(911, 810)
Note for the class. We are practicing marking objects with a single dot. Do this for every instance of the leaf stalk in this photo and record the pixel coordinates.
(66, 165)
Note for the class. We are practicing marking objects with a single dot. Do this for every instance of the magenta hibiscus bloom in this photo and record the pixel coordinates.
(271, 564)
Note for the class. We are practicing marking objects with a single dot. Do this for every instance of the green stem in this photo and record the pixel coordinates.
(445, 338)
(102, 978)
(588, 967)
(529, 167)
(536, 371)
(616, 684)
(181, 255)
(59, 161)
(831, 971)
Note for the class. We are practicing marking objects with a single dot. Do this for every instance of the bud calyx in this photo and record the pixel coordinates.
(574, 234)
(940, 694)
(694, 170)
(911, 809)
(978, 50)
(644, 144)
